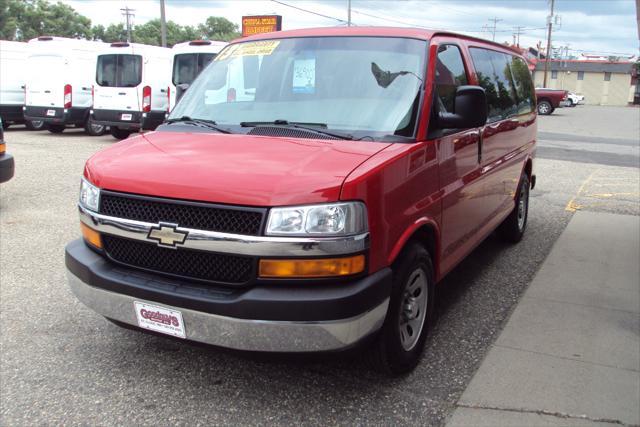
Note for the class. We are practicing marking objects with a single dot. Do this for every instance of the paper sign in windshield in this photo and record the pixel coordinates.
(248, 49)
(304, 75)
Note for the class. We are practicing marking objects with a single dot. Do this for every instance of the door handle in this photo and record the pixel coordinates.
(86, 88)
(47, 91)
(163, 90)
(480, 146)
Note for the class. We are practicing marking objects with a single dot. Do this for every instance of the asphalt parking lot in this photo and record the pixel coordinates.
(61, 363)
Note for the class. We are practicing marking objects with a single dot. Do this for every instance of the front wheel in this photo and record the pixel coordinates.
(118, 133)
(34, 124)
(400, 343)
(55, 128)
(544, 108)
(94, 129)
(512, 229)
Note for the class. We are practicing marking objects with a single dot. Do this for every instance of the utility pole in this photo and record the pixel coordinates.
(495, 22)
(517, 34)
(163, 25)
(546, 60)
(348, 13)
(128, 13)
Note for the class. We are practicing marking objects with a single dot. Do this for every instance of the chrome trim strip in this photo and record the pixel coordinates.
(236, 244)
(241, 334)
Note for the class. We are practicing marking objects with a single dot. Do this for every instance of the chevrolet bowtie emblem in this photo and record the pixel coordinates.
(167, 235)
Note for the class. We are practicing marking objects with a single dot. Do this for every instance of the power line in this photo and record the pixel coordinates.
(495, 22)
(312, 12)
(129, 14)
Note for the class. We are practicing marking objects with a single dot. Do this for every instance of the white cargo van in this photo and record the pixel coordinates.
(131, 88)
(13, 63)
(189, 59)
(59, 75)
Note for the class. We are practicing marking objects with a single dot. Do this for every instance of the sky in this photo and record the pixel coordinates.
(593, 26)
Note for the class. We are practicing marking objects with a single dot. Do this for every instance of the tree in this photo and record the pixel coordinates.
(115, 33)
(218, 28)
(26, 19)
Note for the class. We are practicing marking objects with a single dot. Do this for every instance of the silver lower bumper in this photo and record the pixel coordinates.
(241, 334)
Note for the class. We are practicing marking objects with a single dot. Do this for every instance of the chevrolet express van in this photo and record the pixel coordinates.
(131, 89)
(58, 83)
(320, 213)
(13, 58)
(189, 59)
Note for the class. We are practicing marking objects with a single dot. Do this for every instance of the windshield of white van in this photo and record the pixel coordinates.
(119, 70)
(187, 66)
(366, 86)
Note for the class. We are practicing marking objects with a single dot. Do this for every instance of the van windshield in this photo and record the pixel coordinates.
(119, 70)
(367, 86)
(187, 66)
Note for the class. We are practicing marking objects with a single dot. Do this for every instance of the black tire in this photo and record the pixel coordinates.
(34, 124)
(571, 104)
(94, 129)
(55, 128)
(118, 133)
(387, 353)
(545, 108)
(513, 227)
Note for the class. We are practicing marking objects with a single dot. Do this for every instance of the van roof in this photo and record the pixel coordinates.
(134, 48)
(408, 32)
(213, 46)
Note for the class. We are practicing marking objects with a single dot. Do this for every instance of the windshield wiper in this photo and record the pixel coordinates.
(209, 124)
(320, 128)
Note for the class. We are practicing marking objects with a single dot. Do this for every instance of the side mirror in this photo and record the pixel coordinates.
(180, 90)
(470, 108)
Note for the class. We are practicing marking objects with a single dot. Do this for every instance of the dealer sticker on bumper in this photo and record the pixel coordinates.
(159, 319)
(125, 117)
(51, 112)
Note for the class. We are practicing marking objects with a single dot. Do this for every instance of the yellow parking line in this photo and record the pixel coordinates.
(572, 206)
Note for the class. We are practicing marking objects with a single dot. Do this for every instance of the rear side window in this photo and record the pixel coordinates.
(450, 74)
(521, 77)
(187, 66)
(495, 75)
(119, 70)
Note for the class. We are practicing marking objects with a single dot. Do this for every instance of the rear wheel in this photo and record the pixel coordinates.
(400, 343)
(118, 133)
(571, 103)
(513, 227)
(34, 124)
(55, 128)
(544, 108)
(94, 129)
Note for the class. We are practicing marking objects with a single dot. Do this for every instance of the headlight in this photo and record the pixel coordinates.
(335, 219)
(89, 195)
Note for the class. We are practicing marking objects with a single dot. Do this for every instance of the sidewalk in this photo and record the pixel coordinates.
(570, 353)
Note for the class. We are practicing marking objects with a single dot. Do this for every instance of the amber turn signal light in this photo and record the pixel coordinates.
(3, 148)
(91, 236)
(300, 268)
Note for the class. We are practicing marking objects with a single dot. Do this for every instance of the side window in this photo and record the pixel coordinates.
(524, 87)
(450, 74)
(496, 77)
(487, 80)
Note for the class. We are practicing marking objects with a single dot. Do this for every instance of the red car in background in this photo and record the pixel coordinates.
(309, 190)
(550, 99)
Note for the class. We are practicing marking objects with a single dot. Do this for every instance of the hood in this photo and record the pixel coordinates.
(232, 169)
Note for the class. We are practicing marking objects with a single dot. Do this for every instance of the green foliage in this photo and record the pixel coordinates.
(26, 19)
(218, 28)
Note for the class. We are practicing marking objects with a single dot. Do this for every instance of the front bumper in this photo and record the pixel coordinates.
(62, 116)
(292, 317)
(7, 167)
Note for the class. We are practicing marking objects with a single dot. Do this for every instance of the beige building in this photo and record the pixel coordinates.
(601, 83)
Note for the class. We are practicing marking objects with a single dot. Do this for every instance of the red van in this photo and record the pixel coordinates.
(309, 191)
